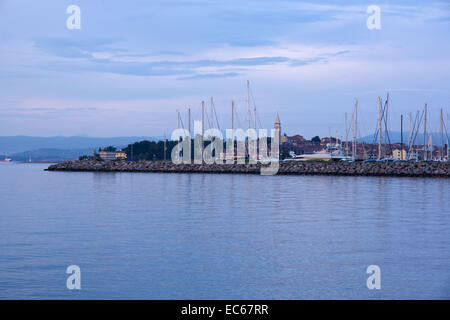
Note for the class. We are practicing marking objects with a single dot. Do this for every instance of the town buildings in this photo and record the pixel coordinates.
(112, 155)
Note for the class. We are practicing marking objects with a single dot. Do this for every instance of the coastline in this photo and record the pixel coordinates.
(392, 169)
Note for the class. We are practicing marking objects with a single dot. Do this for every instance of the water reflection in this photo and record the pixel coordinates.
(162, 236)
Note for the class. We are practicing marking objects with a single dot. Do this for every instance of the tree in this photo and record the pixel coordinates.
(284, 154)
(315, 139)
(150, 150)
(110, 149)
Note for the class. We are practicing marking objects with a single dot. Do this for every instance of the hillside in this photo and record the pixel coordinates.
(50, 154)
(16, 144)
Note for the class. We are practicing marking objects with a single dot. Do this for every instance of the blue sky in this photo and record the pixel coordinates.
(133, 64)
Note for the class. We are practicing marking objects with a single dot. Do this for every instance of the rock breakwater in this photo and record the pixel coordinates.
(405, 169)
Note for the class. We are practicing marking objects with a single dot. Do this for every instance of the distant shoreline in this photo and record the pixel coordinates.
(32, 162)
(393, 169)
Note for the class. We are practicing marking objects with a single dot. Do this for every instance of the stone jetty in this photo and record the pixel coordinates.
(359, 168)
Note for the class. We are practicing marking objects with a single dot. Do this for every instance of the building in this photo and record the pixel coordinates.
(277, 126)
(121, 155)
(107, 155)
(296, 140)
(112, 155)
(398, 154)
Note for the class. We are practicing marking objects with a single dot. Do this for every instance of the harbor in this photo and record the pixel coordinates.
(243, 152)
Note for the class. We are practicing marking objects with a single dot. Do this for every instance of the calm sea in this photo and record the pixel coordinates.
(200, 236)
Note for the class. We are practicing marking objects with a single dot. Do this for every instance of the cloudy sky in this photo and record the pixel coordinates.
(133, 64)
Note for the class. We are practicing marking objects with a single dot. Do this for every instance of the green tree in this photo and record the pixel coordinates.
(110, 149)
(149, 150)
(315, 139)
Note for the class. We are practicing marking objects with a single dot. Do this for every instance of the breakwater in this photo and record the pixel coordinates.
(405, 169)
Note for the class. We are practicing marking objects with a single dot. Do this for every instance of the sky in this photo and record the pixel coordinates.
(133, 64)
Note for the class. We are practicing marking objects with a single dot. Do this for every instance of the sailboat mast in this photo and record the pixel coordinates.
(448, 146)
(430, 146)
(203, 126)
(356, 128)
(416, 134)
(232, 117)
(441, 137)
(212, 113)
(189, 120)
(336, 140)
(379, 128)
(248, 105)
(254, 115)
(386, 126)
(410, 128)
(346, 135)
(401, 137)
(425, 154)
(178, 138)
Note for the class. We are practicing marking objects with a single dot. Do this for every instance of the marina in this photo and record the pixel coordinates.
(244, 145)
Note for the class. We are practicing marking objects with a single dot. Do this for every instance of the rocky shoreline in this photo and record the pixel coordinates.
(402, 169)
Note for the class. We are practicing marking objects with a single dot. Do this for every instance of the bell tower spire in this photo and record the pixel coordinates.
(277, 126)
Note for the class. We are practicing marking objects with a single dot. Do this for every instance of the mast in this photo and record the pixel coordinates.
(419, 121)
(212, 113)
(203, 125)
(410, 128)
(336, 140)
(356, 129)
(254, 114)
(178, 138)
(448, 146)
(441, 137)
(248, 105)
(401, 137)
(189, 120)
(254, 111)
(379, 128)
(430, 146)
(386, 125)
(232, 117)
(346, 135)
(425, 154)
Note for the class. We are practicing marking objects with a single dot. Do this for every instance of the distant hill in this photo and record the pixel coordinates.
(395, 137)
(16, 144)
(50, 154)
